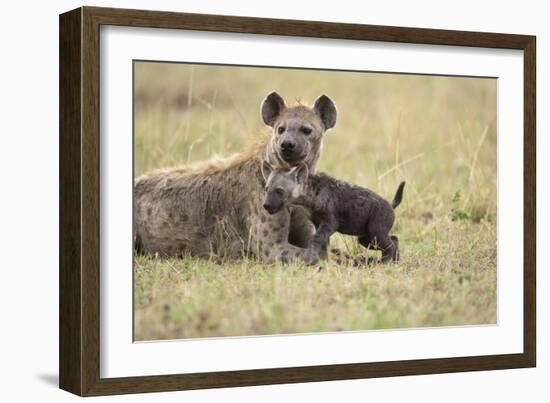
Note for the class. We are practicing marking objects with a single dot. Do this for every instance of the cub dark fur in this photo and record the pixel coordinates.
(335, 206)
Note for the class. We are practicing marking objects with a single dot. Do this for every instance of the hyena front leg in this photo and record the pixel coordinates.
(270, 241)
(301, 229)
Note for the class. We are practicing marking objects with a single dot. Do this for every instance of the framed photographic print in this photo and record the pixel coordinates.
(249, 201)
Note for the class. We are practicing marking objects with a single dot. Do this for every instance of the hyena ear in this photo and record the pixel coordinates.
(325, 108)
(301, 172)
(266, 169)
(272, 106)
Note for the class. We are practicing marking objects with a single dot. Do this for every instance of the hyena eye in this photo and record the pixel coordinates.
(279, 191)
(281, 129)
(306, 130)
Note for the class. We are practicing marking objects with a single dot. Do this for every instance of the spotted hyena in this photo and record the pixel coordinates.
(335, 206)
(215, 207)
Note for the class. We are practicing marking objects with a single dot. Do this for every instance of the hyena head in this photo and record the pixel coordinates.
(282, 186)
(297, 135)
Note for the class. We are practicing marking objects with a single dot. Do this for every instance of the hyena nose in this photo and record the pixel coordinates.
(287, 145)
(266, 206)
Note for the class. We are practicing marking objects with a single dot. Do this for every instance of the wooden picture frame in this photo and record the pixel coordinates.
(79, 201)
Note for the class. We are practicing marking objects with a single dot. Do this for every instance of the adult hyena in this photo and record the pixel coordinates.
(215, 207)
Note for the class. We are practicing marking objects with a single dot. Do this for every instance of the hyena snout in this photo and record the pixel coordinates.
(288, 146)
(292, 147)
(269, 208)
(273, 202)
(272, 206)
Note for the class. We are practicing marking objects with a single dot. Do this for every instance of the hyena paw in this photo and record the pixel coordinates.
(311, 256)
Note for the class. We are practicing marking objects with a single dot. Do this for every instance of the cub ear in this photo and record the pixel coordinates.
(272, 106)
(301, 173)
(325, 108)
(266, 169)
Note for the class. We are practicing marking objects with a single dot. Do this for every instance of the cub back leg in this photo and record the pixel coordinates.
(395, 241)
(389, 245)
(366, 241)
(389, 249)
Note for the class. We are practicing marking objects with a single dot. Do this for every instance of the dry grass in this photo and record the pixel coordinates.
(437, 133)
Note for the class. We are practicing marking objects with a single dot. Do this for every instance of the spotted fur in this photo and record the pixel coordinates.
(215, 207)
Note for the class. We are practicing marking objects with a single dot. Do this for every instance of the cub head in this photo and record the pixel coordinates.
(297, 131)
(282, 187)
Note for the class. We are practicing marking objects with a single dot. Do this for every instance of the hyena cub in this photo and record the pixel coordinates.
(335, 206)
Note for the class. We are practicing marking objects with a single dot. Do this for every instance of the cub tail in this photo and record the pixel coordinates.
(398, 195)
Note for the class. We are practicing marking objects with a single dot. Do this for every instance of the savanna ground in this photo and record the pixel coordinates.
(436, 133)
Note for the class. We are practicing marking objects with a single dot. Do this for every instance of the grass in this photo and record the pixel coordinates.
(437, 133)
